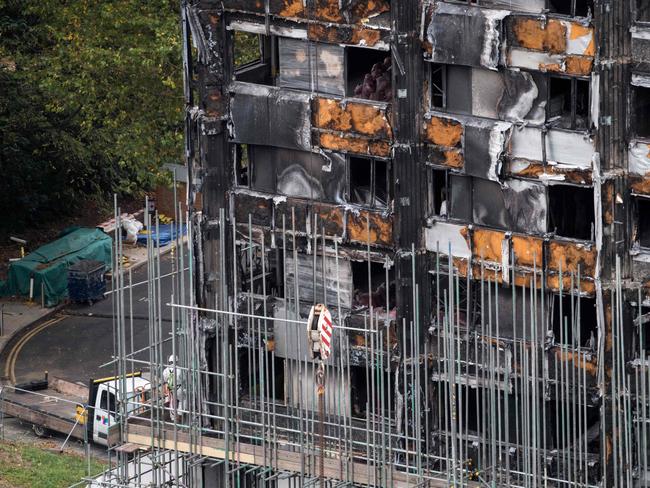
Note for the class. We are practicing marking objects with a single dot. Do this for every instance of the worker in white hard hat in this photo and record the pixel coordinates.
(172, 388)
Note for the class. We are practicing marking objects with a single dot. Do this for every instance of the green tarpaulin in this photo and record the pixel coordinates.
(49, 264)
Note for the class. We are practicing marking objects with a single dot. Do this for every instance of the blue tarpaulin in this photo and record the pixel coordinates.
(166, 233)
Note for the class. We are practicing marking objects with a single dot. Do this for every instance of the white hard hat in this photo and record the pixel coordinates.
(172, 359)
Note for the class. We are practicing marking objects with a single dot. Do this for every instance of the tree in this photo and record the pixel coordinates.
(90, 101)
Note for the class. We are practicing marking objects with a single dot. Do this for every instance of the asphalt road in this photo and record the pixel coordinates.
(79, 340)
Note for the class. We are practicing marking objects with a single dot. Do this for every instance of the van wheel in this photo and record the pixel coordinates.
(39, 430)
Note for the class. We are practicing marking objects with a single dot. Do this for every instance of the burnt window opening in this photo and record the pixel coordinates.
(254, 58)
(450, 88)
(247, 49)
(574, 321)
(568, 103)
(565, 417)
(242, 165)
(369, 182)
(510, 310)
(642, 10)
(372, 289)
(641, 109)
(438, 86)
(466, 300)
(472, 414)
(571, 211)
(361, 389)
(250, 381)
(643, 222)
(438, 192)
(369, 74)
(574, 8)
(257, 277)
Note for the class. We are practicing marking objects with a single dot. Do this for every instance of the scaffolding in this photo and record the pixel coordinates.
(465, 400)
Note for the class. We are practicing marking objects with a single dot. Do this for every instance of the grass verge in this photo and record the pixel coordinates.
(26, 465)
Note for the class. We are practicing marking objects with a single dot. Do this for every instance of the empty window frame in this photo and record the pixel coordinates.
(248, 49)
(574, 321)
(573, 8)
(242, 165)
(438, 86)
(254, 58)
(370, 182)
(642, 221)
(372, 285)
(451, 88)
(362, 391)
(568, 103)
(641, 109)
(438, 192)
(566, 419)
(571, 211)
(473, 412)
(465, 295)
(251, 382)
(369, 74)
(513, 308)
(642, 10)
(260, 274)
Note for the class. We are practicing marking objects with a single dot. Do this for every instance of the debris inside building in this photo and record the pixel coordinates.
(465, 187)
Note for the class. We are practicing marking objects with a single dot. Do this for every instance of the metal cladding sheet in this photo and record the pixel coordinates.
(564, 148)
(570, 148)
(639, 158)
(305, 265)
(641, 79)
(466, 35)
(640, 44)
(535, 60)
(461, 197)
(526, 205)
(299, 174)
(441, 236)
(523, 98)
(488, 205)
(486, 91)
(260, 28)
(266, 115)
(484, 144)
(310, 66)
(531, 6)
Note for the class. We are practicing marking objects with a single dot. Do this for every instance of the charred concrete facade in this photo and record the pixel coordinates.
(466, 185)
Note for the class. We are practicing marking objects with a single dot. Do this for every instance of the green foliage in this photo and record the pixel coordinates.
(247, 48)
(23, 465)
(90, 101)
